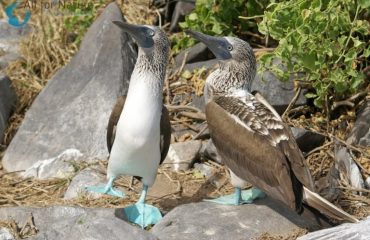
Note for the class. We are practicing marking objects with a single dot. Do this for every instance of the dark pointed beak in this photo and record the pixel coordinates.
(138, 32)
(218, 45)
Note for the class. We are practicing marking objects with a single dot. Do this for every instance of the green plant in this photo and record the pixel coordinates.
(326, 39)
(218, 17)
(79, 16)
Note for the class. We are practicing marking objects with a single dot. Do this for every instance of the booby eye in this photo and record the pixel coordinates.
(229, 48)
(150, 32)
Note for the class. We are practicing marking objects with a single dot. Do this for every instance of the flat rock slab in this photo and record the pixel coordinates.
(60, 222)
(206, 220)
(347, 231)
(73, 109)
(8, 100)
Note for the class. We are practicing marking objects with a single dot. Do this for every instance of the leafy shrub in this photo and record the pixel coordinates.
(218, 17)
(326, 39)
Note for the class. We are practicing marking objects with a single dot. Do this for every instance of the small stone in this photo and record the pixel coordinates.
(58, 167)
(10, 36)
(85, 178)
(5, 234)
(163, 186)
(355, 231)
(360, 133)
(198, 102)
(205, 170)
(204, 220)
(306, 139)
(182, 155)
(210, 152)
(8, 99)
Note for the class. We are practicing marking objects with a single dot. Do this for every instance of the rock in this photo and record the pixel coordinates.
(210, 152)
(5, 234)
(279, 94)
(182, 9)
(182, 155)
(7, 58)
(60, 222)
(196, 53)
(73, 109)
(11, 36)
(206, 170)
(208, 64)
(87, 177)
(198, 102)
(163, 186)
(367, 182)
(206, 220)
(360, 133)
(306, 139)
(8, 100)
(59, 167)
(355, 231)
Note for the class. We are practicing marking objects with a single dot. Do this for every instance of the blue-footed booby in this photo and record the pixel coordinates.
(139, 132)
(251, 138)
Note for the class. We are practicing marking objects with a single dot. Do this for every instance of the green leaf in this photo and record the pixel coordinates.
(310, 95)
(308, 60)
(193, 16)
(365, 4)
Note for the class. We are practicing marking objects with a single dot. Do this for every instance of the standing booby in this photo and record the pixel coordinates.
(142, 135)
(250, 136)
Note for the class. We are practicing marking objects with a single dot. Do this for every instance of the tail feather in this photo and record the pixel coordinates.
(325, 207)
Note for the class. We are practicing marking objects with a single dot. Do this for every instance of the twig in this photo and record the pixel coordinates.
(182, 107)
(291, 104)
(355, 189)
(200, 132)
(197, 116)
(319, 148)
(7, 173)
(349, 101)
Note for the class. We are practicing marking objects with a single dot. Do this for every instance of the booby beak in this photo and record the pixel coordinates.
(218, 45)
(142, 34)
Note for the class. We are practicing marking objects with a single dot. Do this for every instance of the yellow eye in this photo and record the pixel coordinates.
(150, 32)
(229, 48)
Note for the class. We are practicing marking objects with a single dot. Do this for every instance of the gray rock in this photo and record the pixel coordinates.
(198, 102)
(182, 9)
(206, 170)
(360, 133)
(182, 155)
(59, 167)
(8, 100)
(60, 222)
(73, 109)
(5, 234)
(196, 53)
(347, 231)
(11, 36)
(87, 177)
(306, 139)
(206, 220)
(279, 94)
(7, 58)
(210, 152)
(208, 64)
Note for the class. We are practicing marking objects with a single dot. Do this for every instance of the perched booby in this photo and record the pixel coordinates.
(250, 136)
(139, 132)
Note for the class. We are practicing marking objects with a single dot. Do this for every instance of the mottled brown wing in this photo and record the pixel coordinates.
(165, 133)
(291, 150)
(248, 138)
(165, 127)
(113, 120)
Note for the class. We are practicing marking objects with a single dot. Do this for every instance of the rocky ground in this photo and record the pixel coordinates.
(58, 147)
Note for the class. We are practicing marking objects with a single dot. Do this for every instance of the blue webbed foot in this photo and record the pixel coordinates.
(107, 189)
(142, 214)
(239, 197)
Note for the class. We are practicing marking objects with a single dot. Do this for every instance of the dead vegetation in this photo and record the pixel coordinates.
(49, 48)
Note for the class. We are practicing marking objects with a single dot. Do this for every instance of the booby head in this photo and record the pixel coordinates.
(147, 37)
(237, 62)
